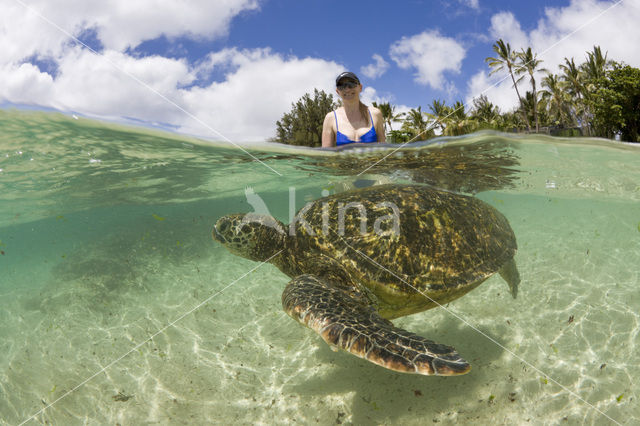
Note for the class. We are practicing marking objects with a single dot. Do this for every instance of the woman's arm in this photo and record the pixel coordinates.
(328, 132)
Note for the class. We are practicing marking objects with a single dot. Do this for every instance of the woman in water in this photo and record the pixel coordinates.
(353, 121)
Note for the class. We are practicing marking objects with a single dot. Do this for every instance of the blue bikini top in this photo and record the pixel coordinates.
(370, 136)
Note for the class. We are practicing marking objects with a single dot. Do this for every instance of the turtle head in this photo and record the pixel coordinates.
(253, 236)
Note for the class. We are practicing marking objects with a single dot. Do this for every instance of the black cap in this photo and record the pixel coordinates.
(347, 75)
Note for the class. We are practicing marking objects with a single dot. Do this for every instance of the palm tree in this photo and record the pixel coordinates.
(529, 104)
(511, 120)
(485, 113)
(439, 113)
(388, 113)
(506, 59)
(596, 65)
(593, 71)
(528, 62)
(543, 112)
(575, 79)
(415, 124)
(557, 99)
(458, 122)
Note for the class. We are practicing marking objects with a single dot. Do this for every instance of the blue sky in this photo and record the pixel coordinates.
(229, 70)
(350, 33)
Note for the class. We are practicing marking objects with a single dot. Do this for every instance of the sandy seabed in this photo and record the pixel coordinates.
(81, 344)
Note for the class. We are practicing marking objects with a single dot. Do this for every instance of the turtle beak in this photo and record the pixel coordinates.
(216, 235)
(221, 225)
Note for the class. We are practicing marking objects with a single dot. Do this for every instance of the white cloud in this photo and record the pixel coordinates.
(115, 80)
(127, 23)
(118, 23)
(473, 4)
(616, 31)
(247, 104)
(569, 32)
(431, 55)
(376, 69)
(496, 87)
(504, 25)
(24, 84)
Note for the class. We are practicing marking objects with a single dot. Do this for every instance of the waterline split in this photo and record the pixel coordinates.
(598, 16)
(142, 83)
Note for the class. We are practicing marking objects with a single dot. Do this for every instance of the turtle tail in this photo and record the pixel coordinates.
(346, 321)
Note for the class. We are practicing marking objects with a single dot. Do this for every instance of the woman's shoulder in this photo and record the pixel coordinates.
(332, 112)
(375, 111)
(329, 115)
(330, 118)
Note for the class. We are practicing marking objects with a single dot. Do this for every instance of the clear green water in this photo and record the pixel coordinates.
(108, 259)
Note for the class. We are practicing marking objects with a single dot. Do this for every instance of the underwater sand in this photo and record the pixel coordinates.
(117, 306)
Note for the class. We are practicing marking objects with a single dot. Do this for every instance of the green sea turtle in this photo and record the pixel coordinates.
(361, 258)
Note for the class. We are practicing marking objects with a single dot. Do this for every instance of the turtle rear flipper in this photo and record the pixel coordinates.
(509, 272)
(348, 322)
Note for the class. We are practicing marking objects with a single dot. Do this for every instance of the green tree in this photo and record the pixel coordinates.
(616, 103)
(416, 125)
(303, 125)
(543, 112)
(512, 121)
(439, 114)
(574, 79)
(506, 59)
(486, 114)
(389, 116)
(458, 122)
(400, 136)
(596, 65)
(557, 99)
(529, 63)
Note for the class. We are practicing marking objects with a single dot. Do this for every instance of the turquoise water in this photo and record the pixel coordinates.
(117, 306)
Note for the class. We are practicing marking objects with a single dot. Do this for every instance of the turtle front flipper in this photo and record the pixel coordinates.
(348, 322)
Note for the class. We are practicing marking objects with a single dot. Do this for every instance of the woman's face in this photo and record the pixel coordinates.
(349, 90)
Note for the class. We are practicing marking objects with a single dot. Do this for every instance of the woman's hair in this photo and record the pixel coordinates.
(364, 113)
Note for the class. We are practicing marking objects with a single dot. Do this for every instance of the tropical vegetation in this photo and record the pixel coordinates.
(598, 97)
(303, 125)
